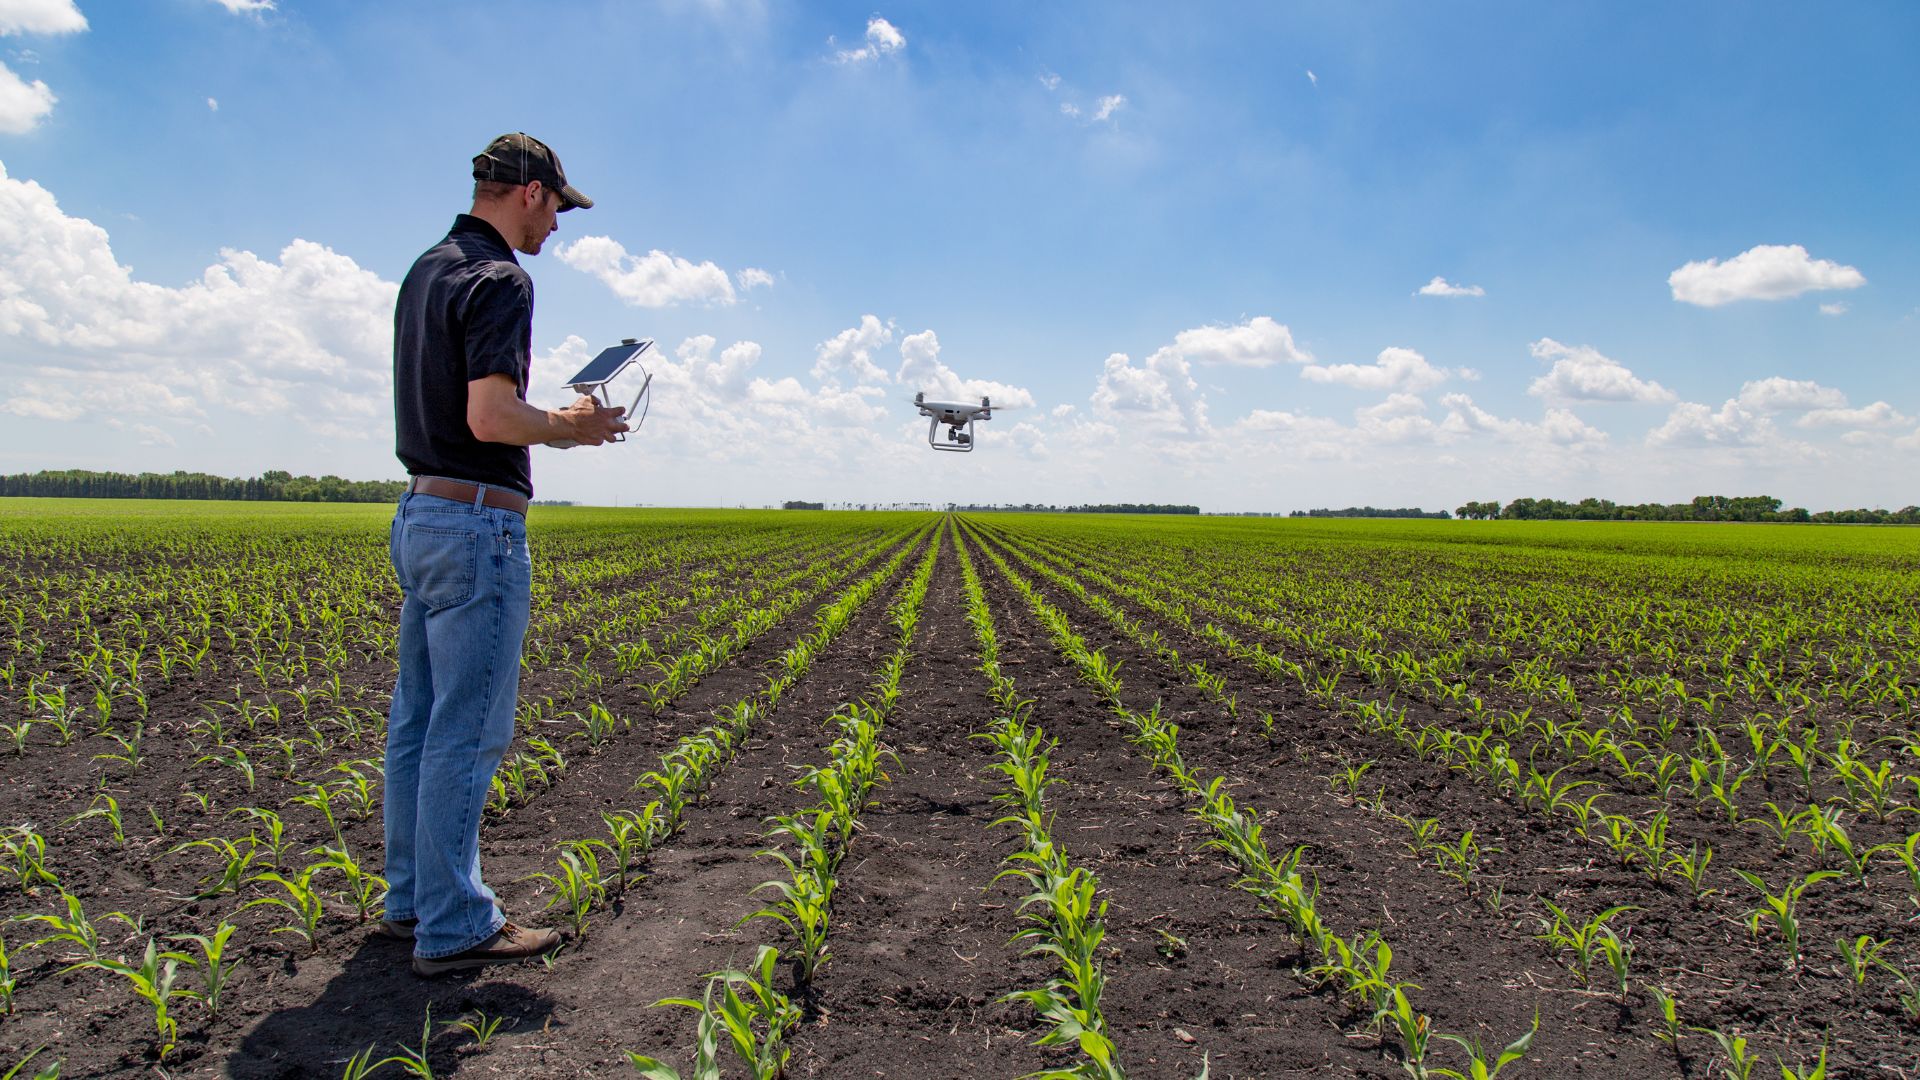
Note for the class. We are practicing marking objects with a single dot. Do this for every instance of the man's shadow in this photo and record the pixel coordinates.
(376, 1002)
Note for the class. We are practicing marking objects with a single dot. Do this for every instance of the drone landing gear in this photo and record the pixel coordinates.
(958, 441)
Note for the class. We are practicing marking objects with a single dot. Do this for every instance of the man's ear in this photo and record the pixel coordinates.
(534, 195)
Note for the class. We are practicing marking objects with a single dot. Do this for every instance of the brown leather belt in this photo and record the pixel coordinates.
(460, 491)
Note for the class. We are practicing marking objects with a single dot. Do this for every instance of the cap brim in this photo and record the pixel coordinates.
(571, 199)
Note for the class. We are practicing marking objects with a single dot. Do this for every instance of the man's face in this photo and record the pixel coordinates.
(542, 207)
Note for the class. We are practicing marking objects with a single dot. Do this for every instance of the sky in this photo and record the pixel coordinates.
(1255, 257)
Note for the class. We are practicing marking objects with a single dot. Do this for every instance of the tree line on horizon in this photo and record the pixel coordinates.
(1089, 508)
(1701, 508)
(1371, 512)
(272, 486)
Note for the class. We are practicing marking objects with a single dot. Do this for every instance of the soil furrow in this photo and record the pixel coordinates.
(1229, 980)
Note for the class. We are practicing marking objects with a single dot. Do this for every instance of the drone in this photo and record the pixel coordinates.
(959, 418)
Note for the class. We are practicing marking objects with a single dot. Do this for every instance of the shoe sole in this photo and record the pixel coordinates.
(431, 968)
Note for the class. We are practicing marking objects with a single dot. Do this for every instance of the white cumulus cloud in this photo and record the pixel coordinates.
(883, 39)
(653, 280)
(1694, 424)
(1394, 369)
(1440, 286)
(246, 7)
(1765, 272)
(1838, 307)
(24, 104)
(850, 352)
(1778, 394)
(309, 336)
(1109, 105)
(1258, 342)
(1557, 427)
(40, 17)
(1158, 395)
(922, 370)
(1401, 418)
(1877, 415)
(753, 278)
(1581, 373)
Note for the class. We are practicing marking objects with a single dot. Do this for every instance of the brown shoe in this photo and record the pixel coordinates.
(397, 929)
(510, 945)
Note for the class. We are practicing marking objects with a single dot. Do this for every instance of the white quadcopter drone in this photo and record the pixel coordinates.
(959, 418)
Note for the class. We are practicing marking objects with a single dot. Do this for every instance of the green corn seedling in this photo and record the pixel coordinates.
(1669, 1016)
(275, 841)
(152, 982)
(756, 1024)
(364, 887)
(216, 967)
(23, 854)
(1740, 1063)
(51, 1072)
(633, 836)
(74, 928)
(1581, 939)
(1413, 1029)
(106, 809)
(301, 901)
(415, 1061)
(8, 984)
(482, 1027)
(1781, 909)
(1618, 953)
(577, 885)
(1860, 956)
(1816, 1071)
(235, 861)
(1484, 1066)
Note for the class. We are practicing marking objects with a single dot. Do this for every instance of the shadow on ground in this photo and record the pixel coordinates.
(376, 1001)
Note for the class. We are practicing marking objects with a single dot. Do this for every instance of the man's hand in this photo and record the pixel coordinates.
(495, 413)
(592, 423)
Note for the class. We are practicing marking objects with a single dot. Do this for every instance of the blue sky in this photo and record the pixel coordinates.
(1678, 239)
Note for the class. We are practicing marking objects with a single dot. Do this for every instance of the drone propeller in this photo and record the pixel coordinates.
(919, 401)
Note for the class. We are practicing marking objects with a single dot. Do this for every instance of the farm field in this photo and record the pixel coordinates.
(982, 795)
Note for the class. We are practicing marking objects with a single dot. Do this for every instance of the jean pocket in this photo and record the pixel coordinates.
(440, 570)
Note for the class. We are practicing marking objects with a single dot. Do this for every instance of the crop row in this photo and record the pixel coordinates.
(810, 844)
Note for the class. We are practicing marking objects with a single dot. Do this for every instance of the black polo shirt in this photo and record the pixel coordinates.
(465, 312)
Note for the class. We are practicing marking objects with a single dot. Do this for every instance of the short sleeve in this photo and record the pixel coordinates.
(498, 318)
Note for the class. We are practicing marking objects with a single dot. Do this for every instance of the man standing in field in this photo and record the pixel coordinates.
(462, 347)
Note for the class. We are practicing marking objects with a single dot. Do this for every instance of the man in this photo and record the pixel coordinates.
(462, 346)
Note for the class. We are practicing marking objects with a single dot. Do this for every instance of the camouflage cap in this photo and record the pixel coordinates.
(519, 158)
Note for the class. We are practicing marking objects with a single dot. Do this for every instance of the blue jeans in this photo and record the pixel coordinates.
(467, 579)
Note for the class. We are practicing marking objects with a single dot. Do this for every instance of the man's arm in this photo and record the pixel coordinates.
(496, 414)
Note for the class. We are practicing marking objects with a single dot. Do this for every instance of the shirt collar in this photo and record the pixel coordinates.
(471, 224)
